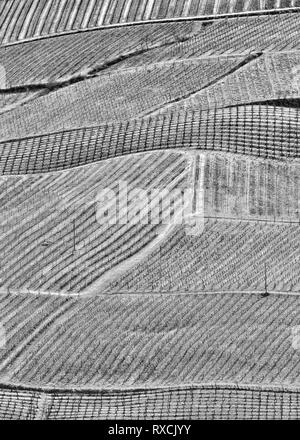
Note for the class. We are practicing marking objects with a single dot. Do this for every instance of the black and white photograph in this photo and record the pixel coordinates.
(149, 213)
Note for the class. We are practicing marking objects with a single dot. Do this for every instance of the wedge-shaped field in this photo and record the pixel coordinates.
(268, 77)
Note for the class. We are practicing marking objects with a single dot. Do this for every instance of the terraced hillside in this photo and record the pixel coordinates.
(254, 202)
(259, 131)
(61, 205)
(240, 36)
(261, 80)
(113, 303)
(109, 60)
(241, 256)
(31, 18)
(36, 61)
(160, 341)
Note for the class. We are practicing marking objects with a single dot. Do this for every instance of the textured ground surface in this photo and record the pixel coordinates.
(143, 320)
(25, 19)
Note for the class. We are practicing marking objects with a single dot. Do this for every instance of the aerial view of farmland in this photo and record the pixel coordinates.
(149, 211)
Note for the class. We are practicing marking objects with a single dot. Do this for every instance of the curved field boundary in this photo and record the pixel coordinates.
(32, 19)
(42, 61)
(204, 401)
(254, 206)
(261, 131)
(261, 33)
(258, 81)
(49, 228)
(257, 200)
(106, 98)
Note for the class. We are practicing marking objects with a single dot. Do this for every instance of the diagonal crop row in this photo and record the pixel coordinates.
(269, 77)
(234, 36)
(132, 341)
(227, 256)
(51, 60)
(200, 402)
(40, 217)
(27, 19)
(114, 96)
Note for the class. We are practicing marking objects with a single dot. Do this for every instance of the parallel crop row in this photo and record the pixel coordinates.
(10, 101)
(31, 18)
(51, 238)
(270, 77)
(148, 341)
(233, 36)
(261, 131)
(243, 188)
(227, 256)
(41, 214)
(200, 402)
(49, 60)
(37, 61)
